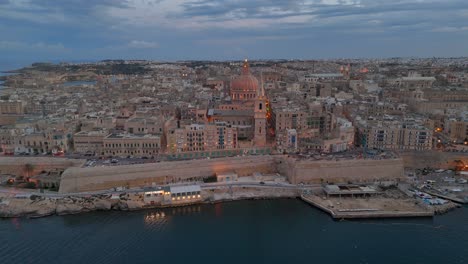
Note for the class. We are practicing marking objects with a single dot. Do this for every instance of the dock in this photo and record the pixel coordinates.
(456, 200)
(362, 213)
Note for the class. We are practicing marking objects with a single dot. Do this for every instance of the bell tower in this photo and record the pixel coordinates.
(260, 118)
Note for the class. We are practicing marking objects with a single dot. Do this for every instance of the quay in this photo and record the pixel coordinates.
(453, 199)
(362, 213)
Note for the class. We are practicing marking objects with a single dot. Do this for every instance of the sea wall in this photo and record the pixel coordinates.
(18, 165)
(102, 178)
(297, 171)
(433, 159)
(356, 170)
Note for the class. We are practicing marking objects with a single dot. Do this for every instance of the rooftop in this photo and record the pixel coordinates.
(185, 189)
(132, 136)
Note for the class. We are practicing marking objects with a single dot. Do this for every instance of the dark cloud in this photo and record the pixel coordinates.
(264, 8)
(223, 28)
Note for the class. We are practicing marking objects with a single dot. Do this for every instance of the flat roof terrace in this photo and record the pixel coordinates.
(349, 190)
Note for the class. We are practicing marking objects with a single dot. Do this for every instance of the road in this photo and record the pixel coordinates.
(205, 186)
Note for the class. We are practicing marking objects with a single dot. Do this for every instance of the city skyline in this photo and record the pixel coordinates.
(229, 30)
(262, 131)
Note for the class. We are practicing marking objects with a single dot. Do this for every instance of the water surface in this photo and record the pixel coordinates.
(266, 231)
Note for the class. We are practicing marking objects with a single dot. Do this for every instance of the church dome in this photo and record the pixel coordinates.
(245, 86)
(246, 83)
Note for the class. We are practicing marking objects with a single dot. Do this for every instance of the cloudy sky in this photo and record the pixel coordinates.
(33, 30)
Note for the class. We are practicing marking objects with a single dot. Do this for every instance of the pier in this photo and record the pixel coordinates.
(374, 209)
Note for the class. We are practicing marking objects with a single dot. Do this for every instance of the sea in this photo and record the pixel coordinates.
(254, 231)
(7, 66)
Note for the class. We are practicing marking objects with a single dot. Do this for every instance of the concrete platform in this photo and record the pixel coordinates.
(371, 211)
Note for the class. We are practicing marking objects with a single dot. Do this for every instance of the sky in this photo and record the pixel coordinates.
(75, 30)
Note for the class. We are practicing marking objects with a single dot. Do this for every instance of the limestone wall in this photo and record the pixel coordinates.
(359, 170)
(16, 165)
(433, 159)
(101, 178)
(306, 171)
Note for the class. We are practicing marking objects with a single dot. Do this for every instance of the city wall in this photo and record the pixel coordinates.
(354, 170)
(23, 166)
(297, 171)
(433, 159)
(102, 178)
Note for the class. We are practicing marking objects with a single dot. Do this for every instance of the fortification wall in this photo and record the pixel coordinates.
(17, 165)
(101, 178)
(433, 159)
(358, 170)
(297, 171)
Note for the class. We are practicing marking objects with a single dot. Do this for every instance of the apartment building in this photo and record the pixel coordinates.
(395, 135)
(202, 137)
(123, 145)
(90, 142)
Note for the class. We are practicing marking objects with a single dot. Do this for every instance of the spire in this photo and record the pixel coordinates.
(261, 91)
(246, 68)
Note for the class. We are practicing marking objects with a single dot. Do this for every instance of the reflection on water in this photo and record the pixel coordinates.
(264, 231)
(152, 218)
(160, 217)
(186, 210)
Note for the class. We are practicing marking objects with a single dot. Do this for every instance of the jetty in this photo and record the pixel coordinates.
(372, 210)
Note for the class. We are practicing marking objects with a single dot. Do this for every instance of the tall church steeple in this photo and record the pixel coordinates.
(260, 117)
(246, 68)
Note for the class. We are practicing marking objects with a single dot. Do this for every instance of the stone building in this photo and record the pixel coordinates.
(394, 135)
(123, 145)
(414, 80)
(245, 86)
(459, 131)
(140, 125)
(247, 109)
(54, 142)
(286, 141)
(89, 142)
(11, 107)
(202, 137)
(242, 119)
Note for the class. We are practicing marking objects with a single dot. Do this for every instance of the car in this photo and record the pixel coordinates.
(262, 182)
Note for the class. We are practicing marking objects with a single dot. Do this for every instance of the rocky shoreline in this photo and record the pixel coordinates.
(37, 206)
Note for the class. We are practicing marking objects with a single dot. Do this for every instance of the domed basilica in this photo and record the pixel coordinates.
(246, 110)
(244, 87)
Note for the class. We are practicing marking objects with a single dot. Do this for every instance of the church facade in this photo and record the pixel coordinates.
(245, 108)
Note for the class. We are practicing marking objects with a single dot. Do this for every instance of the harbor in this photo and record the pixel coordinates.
(233, 232)
(339, 201)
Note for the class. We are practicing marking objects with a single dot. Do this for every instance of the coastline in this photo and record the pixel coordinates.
(37, 206)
